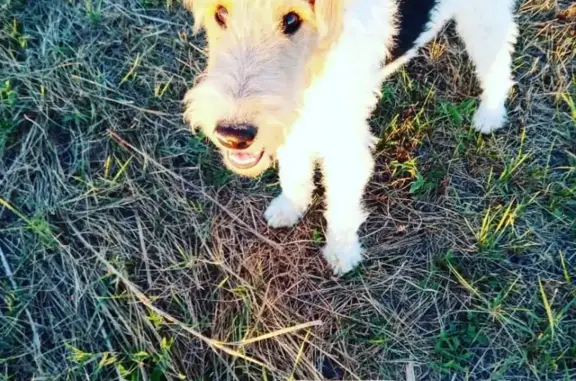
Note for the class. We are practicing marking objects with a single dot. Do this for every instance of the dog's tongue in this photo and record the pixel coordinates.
(243, 158)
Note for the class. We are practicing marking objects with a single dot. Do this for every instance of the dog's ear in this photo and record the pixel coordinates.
(197, 14)
(329, 15)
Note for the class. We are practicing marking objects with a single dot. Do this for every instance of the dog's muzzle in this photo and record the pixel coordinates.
(236, 138)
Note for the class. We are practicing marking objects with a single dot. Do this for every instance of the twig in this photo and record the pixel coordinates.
(35, 336)
(410, 374)
(280, 332)
(144, 250)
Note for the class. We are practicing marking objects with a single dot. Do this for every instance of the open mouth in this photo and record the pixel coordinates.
(244, 160)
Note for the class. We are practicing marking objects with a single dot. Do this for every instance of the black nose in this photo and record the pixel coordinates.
(235, 136)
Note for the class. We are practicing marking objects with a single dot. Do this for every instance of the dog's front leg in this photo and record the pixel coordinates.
(347, 168)
(296, 174)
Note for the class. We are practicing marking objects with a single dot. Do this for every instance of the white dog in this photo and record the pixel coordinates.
(297, 80)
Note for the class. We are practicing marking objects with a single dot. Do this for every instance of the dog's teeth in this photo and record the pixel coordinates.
(243, 158)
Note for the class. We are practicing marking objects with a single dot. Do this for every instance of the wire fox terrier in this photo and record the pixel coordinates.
(297, 80)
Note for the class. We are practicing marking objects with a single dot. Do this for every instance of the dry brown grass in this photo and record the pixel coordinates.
(126, 251)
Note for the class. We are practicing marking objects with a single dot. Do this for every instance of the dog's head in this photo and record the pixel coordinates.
(263, 54)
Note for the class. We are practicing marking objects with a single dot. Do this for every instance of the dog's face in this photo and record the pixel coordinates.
(262, 56)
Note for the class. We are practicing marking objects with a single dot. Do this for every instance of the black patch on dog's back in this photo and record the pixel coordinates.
(413, 16)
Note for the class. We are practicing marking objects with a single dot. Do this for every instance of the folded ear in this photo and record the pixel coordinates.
(196, 9)
(329, 15)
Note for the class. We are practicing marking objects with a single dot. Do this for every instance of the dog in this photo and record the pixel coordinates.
(295, 81)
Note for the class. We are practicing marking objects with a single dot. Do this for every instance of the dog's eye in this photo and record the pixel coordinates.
(221, 16)
(291, 22)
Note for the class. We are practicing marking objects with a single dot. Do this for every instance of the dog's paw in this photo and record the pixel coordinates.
(488, 120)
(282, 213)
(342, 258)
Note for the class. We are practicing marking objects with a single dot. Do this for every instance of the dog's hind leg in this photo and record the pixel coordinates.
(489, 32)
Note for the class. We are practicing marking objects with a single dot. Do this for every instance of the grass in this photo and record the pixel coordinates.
(128, 252)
